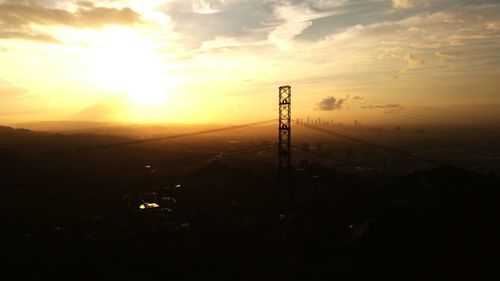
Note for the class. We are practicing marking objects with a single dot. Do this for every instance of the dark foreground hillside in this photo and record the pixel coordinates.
(111, 214)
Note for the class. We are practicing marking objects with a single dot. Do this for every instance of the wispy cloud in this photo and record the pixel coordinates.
(351, 47)
(20, 15)
(412, 62)
(28, 34)
(17, 19)
(327, 4)
(383, 106)
(203, 7)
(403, 4)
(446, 55)
(295, 19)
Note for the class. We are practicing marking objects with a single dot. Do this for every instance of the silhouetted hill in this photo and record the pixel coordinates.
(73, 211)
(60, 126)
(444, 216)
(24, 140)
(141, 130)
(6, 131)
(440, 188)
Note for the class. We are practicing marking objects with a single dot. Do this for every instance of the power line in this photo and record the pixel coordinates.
(364, 142)
(170, 163)
(217, 155)
(176, 136)
(344, 136)
(412, 115)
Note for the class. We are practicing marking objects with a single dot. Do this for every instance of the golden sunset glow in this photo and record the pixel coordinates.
(127, 62)
(201, 61)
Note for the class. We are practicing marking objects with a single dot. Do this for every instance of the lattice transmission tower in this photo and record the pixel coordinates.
(285, 127)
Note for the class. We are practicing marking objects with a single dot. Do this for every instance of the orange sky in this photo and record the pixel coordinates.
(222, 61)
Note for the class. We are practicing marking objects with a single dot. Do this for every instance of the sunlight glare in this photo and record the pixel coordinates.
(125, 61)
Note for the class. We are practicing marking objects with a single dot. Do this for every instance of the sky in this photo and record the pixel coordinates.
(222, 61)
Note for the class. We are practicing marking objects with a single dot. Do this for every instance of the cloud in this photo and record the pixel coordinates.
(327, 4)
(369, 53)
(225, 19)
(203, 7)
(18, 18)
(403, 4)
(495, 25)
(412, 62)
(19, 15)
(406, 4)
(280, 23)
(352, 49)
(295, 19)
(86, 4)
(228, 42)
(384, 106)
(329, 104)
(28, 35)
(446, 55)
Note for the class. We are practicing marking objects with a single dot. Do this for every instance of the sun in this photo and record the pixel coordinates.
(124, 61)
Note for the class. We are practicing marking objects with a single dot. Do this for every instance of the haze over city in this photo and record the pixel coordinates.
(203, 61)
